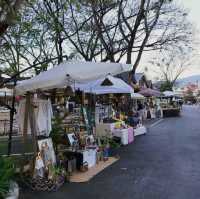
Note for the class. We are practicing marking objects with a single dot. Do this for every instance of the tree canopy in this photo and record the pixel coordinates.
(51, 31)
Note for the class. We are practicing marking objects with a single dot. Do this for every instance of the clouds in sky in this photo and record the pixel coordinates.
(193, 7)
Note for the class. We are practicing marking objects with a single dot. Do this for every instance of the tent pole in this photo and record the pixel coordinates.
(26, 115)
(12, 112)
(33, 125)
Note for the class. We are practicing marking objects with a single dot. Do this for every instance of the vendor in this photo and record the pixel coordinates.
(133, 119)
(124, 105)
(140, 109)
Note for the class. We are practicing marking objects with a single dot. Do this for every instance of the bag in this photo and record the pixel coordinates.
(39, 162)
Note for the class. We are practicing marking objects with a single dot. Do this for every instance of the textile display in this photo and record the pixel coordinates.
(43, 115)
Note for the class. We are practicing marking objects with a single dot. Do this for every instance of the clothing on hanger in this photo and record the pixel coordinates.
(43, 114)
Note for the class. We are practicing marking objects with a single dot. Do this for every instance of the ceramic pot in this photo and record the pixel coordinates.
(13, 191)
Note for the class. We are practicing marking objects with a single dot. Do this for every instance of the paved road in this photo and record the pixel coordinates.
(165, 164)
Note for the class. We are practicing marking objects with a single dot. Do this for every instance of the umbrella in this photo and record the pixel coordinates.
(106, 85)
(169, 93)
(148, 92)
(137, 96)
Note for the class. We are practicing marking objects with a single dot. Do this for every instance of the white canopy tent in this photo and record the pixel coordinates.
(169, 93)
(79, 72)
(137, 96)
(6, 92)
(116, 85)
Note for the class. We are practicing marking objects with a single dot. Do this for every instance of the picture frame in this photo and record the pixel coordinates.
(47, 151)
(71, 138)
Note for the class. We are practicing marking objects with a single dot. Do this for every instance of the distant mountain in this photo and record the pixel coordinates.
(191, 79)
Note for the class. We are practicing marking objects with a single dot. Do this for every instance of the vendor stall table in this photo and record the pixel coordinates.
(123, 134)
(140, 131)
(106, 129)
(130, 135)
(83, 156)
(170, 112)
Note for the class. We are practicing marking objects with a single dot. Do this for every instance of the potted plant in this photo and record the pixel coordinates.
(109, 146)
(8, 188)
(113, 147)
(58, 175)
(57, 131)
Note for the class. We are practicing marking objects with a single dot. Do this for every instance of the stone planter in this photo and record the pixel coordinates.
(13, 191)
(113, 152)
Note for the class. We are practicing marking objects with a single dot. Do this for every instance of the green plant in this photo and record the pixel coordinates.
(56, 126)
(113, 144)
(56, 170)
(107, 141)
(58, 173)
(3, 147)
(57, 131)
(166, 86)
(6, 175)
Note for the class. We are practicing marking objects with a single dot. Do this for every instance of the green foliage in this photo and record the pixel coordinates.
(57, 171)
(113, 144)
(50, 31)
(3, 147)
(6, 175)
(57, 129)
(166, 86)
(106, 141)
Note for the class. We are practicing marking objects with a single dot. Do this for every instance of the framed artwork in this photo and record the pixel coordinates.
(72, 138)
(47, 151)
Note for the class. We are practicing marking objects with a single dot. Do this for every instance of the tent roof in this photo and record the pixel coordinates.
(80, 72)
(114, 85)
(169, 93)
(136, 76)
(148, 92)
(137, 96)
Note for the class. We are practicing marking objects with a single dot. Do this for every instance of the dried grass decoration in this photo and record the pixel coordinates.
(68, 90)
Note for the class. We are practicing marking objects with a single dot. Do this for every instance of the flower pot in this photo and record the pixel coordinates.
(113, 152)
(106, 153)
(13, 191)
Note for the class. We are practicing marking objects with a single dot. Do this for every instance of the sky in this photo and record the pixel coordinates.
(193, 7)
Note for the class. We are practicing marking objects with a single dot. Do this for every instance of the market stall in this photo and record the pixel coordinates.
(148, 92)
(107, 115)
(169, 93)
(152, 106)
(139, 104)
(78, 72)
(139, 108)
(63, 138)
(170, 105)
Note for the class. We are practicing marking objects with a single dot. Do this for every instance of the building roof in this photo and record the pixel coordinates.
(125, 76)
(136, 78)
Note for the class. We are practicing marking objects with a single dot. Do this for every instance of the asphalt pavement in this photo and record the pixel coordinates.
(164, 164)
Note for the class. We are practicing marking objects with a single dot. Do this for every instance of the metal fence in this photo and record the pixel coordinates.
(5, 127)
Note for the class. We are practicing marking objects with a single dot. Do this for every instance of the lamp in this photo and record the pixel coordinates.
(68, 90)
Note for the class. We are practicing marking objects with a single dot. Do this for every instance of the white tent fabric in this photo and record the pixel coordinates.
(137, 96)
(80, 72)
(169, 93)
(6, 91)
(96, 87)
